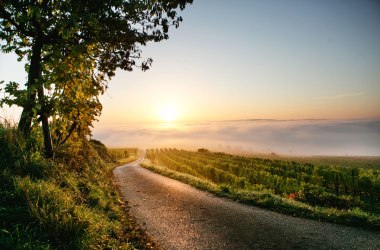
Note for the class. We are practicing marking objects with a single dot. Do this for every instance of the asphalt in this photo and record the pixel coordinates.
(179, 216)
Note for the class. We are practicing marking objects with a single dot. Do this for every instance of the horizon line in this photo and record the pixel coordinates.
(241, 120)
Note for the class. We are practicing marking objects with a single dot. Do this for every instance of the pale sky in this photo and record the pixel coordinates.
(259, 59)
(253, 60)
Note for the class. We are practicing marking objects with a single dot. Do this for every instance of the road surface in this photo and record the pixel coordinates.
(179, 216)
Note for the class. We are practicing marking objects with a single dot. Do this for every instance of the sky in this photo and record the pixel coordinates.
(244, 59)
(253, 60)
(258, 59)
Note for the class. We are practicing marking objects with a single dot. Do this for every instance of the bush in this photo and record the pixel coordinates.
(317, 196)
(203, 150)
(101, 150)
(224, 188)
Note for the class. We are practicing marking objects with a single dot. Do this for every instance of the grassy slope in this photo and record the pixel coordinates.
(68, 203)
(274, 202)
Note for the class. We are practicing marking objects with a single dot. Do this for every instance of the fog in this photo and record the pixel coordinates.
(301, 137)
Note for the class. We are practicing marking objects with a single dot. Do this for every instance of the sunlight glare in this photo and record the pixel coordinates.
(168, 113)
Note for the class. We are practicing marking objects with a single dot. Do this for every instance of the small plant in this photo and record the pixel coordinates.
(224, 189)
(295, 195)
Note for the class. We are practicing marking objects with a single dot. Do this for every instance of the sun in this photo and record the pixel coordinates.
(168, 113)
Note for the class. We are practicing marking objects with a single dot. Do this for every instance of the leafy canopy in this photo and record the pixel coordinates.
(72, 49)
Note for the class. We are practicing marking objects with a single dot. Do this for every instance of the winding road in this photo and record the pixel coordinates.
(179, 216)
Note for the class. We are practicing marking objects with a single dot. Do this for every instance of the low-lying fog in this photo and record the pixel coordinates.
(301, 137)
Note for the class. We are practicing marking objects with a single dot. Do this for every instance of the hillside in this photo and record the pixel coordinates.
(69, 202)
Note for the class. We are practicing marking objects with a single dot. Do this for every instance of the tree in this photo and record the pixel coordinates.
(88, 40)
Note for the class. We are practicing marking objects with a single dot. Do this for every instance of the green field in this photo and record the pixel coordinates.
(124, 155)
(338, 192)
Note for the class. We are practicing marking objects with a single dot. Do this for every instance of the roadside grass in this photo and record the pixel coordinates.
(124, 155)
(70, 202)
(266, 199)
(199, 183)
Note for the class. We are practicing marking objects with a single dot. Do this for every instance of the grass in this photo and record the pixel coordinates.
(267, 199)
(124, 155)
(199, 183)
(70, 202)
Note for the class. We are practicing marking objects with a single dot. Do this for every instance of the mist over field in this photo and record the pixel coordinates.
(299, 137)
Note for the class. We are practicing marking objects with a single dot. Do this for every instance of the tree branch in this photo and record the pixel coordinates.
(71, 130)
(8, 17)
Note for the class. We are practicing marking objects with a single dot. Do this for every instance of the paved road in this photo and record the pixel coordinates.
(181, 217)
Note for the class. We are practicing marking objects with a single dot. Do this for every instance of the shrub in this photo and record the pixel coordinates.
(203, 150)
(317, 196)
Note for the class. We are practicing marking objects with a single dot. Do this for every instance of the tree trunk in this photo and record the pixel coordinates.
(44, 115)
(34, 76)
(34, 86)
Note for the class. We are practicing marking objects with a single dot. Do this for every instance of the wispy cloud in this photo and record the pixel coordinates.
(345, 95)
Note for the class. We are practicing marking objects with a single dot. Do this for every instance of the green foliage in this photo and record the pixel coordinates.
(333, 193)
(66, 203)
(124, 155)
(72, 49)
(55, 212)
(101, 150)
(317, 196)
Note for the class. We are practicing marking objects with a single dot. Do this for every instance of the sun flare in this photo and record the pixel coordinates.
(168, 113)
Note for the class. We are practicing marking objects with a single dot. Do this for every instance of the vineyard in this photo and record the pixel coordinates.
(338, 187)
